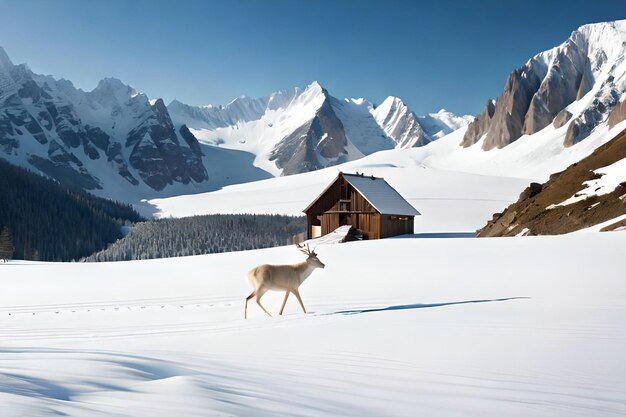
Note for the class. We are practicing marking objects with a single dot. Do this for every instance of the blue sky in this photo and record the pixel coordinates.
(452, 54)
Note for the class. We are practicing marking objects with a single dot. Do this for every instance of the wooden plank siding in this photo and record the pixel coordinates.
(341, 204)
(395, 225)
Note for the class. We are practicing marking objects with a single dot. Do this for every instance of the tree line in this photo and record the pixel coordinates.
(200, 235)
(47, 221)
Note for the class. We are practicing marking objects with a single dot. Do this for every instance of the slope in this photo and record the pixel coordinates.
(440, 330)
(297, 131)
(52, 222)
(109, 140)
(575, 84)
(587, 193)
(450, 201)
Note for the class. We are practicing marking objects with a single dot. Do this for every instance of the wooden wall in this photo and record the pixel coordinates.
(326, 201)
(395, 225)
(341, 204)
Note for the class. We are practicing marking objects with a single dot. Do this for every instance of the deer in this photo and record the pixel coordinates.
(282, 277)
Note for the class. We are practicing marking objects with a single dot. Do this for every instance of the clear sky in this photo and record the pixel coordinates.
(432, 54)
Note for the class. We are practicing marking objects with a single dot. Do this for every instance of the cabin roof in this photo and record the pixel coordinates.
(382, 196)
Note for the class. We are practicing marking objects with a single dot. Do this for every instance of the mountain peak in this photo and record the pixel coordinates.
(390, 105)
(619, 25)
(110, 82)
(316, 87)
(5, 61)
(113, 90)
(589, 61)
(314, 84)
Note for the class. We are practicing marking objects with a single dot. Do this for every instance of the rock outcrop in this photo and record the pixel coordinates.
(559, 206)
(541, 92)
(317, 144)
(66, 133)
(618, 114)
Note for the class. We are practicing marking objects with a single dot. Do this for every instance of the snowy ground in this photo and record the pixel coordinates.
(450, 201)
(528, 326)
(456, 189)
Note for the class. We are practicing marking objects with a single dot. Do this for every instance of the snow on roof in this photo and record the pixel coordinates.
(382, 196)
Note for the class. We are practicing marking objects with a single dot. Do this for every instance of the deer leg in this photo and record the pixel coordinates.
(297, 294)
(284, 302)
(259, 294)
(245, 311)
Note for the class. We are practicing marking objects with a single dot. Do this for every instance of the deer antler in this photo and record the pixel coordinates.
(304, 249)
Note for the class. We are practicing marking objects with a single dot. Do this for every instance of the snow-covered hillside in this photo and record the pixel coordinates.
(112, 141)
(408, 130)
(556, 126)
(570, 88)
(450, 201)
(301, 130)
(447, 328)
(456, 189)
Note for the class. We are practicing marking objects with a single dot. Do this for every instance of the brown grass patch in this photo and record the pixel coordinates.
(531, 210)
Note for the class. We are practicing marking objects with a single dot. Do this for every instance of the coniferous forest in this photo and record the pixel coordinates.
(50, 222)
(199, 235)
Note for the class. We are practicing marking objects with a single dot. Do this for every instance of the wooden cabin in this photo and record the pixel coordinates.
(367, 203)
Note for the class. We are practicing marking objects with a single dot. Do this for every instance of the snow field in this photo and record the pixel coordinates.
(398, 327)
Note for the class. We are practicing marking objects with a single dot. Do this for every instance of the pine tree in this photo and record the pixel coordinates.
(6, 245)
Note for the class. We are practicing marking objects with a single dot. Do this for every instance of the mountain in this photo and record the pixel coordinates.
(587, 193)
(109, 140)
(408, 130)
(295, 131)
(52, 222)
(572, 87)
(115, 142)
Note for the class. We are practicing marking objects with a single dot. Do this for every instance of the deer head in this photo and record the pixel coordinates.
(312, 258)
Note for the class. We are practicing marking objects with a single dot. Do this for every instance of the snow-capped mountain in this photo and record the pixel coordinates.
(114, 141)
(573, 86)
(296, 130)
(112, 137)
(408, 130)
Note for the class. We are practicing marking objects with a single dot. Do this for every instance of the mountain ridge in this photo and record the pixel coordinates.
(91, 140)
(576, 83)
(355, 127)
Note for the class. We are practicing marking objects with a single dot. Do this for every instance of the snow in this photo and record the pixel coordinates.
(449, 201)
(336, 236)
(260, 136)
(456, 189)
(398, 327)
(600, 226)
(257, 125)
(381, 195)
(611, 176)
(360, 127)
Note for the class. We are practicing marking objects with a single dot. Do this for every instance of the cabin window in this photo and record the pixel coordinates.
(400, 218)
(345, 192)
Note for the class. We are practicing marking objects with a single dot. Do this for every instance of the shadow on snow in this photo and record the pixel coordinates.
(416, 306)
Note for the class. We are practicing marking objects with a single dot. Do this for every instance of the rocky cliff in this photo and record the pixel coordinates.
(111, 136)
(587, 193)
(576, 84)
